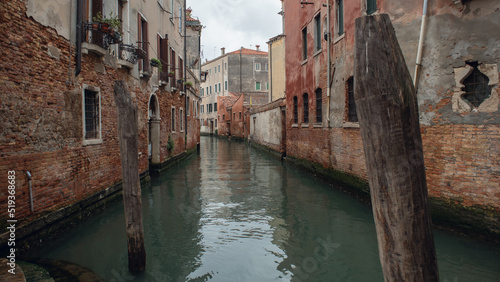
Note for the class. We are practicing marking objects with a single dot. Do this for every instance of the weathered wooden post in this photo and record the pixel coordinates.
(388, 115)
(127, 135)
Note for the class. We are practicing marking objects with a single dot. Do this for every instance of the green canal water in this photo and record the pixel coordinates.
(233, 213)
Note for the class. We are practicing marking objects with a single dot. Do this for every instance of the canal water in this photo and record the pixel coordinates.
(233, 213)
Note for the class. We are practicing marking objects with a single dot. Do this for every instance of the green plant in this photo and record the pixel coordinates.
(188, 83)
(113, 20)
(170, 143)
(156, 62)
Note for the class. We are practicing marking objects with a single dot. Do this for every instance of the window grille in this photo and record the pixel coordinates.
(92, 119)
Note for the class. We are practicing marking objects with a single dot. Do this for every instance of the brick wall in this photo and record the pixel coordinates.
(41, 126)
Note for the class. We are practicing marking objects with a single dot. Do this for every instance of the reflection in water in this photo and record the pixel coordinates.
(235, 214)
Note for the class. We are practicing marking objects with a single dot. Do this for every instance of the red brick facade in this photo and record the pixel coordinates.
(461, 149)
(41, 118)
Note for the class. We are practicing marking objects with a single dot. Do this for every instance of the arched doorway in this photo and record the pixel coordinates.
(154, 130)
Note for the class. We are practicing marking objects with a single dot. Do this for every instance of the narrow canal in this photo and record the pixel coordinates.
(232, 213)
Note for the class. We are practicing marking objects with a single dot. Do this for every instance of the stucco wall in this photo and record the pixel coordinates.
(266, 129)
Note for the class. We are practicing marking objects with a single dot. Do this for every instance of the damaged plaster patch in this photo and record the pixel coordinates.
(53, 51)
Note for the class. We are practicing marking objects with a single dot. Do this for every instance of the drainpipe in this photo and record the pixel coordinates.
(420, 45)
(30, 190)
(329, 62)
(185, 79)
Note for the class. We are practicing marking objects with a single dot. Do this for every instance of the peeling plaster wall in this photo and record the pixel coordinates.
(53, 13)
(458, 34)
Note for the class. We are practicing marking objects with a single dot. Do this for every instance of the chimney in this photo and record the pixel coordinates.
(222, 51)
(257, 47)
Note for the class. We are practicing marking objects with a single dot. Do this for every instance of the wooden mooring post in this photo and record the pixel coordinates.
(389, 122)
(127, 135)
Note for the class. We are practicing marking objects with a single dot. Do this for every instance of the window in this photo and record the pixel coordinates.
(210, 89)
(317, 32)
(267, 86)
(223, 117)
(215, 123)
(340, 17)
(173, 119)
(93, 7)
(202, 92)
(171, 9)
(143, 42)
(181, 119)
(257, 85)
(187, 106)
(163, 50)
(304, 43)
(476, 87)
(218, 68)
(202, 108)
(219, 87)
(234, 116)
(180, 19)
(257, 66)
(371, 6)
(92, 114)
(319, 105)
(240, 115)
(225, 85)
(207, 90)
(295, 110)
(266, 66)
(305, 100)
(352, 112)
(209, 108)
(172, 66)
(225, 65)
(215, 107)
(181, 68)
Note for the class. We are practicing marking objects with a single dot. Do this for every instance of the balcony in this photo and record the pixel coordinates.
(98, 37)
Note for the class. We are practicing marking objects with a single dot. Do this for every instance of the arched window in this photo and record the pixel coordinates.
(476, 87)
(305, 99)
(319, 105)
(295, 110)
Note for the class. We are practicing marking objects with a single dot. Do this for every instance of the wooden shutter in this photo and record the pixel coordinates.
(164, 57)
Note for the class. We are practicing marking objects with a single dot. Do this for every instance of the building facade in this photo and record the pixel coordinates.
(277, 74)
(457, 89)
(241, 71)
(58, 116)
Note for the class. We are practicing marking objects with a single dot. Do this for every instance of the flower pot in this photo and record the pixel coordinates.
(154, 64)
(105, 27)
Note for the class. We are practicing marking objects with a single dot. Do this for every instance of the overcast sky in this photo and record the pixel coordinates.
(235, 23)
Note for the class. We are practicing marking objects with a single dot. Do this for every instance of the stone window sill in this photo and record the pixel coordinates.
(317, 52)
(349, 124)
(304, 125)
(89, 48)
(89, 142)
(339, 38)
(303, 62)
(125, 64)
(317, 125)
(295, 125)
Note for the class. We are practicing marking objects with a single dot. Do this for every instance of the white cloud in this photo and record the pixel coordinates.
(236, 23)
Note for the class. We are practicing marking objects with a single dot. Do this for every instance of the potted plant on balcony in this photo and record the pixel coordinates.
(188, 84)
(154, 62)
(109, 23)
(171, 73)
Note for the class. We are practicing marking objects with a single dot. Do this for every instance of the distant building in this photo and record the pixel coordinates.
(277, 74)
(241, 71)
